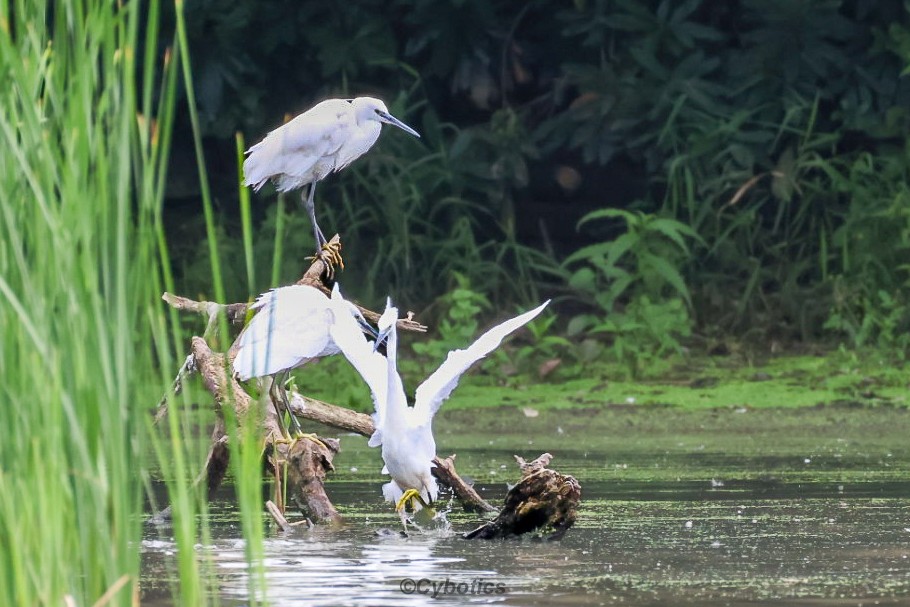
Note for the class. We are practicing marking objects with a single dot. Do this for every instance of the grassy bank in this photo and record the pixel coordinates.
(865, 378)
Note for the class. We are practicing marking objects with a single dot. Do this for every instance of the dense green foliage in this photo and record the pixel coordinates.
(775, 132)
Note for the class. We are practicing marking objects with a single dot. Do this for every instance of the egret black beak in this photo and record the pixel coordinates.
(365, 326)
(388, 118)
(380, 338)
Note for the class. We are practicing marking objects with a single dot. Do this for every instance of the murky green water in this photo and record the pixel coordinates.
(725, 507)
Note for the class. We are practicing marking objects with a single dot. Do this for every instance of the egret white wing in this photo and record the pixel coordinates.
(290, 327)
(322, 129)
(315, 134)
(273, 157)
(371, 365)
(292, 151)
(439, 385)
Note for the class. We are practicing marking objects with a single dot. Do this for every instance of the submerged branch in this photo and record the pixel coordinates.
(444, 471)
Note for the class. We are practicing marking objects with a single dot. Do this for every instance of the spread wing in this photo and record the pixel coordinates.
(437, 387)
(303, 147)
(371, 365)
(289, 328)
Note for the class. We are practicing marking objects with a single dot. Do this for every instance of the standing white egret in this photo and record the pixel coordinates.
(406, 433)
(325, 138)
(291, 327)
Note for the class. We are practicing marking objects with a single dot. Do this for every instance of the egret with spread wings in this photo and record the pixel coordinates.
(406, 432)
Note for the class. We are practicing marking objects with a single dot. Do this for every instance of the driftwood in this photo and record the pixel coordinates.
(308, 461)
(444, 471)
(305, 463)
(542, 499)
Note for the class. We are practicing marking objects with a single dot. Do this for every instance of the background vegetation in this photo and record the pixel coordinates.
(671, 170)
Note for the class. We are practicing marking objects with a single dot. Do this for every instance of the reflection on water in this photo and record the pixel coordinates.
(805, 526)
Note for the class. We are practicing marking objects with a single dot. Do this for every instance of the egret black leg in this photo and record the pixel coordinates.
(298, 430)
(329, 253)
(274, 397)
(309, 206)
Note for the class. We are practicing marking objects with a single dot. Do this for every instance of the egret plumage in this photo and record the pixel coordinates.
(291, 327)
(406, 432)
(325, 138)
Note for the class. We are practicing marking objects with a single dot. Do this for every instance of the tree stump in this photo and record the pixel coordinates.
(542, 499)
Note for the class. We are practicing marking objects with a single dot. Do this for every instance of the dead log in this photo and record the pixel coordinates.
(444, 471)
(330, 415)
(307, 460)
(542, 499)
(235, 312)
(315, 276)
(217, 460)
(307, 470)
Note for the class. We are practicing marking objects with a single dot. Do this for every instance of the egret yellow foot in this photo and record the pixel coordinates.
(330, 254)
(291, 441)
(285, 440)
(410, 496)
(311, 436)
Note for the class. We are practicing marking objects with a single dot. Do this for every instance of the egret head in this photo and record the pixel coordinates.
(370, 108)
(353, 311)
(361, 321)
(386, 323)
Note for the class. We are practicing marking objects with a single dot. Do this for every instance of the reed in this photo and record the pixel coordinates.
(80, 190)
(86, 115)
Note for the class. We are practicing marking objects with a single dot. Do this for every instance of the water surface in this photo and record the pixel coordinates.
(713, 508)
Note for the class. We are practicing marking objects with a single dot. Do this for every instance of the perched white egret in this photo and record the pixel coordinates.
(291, 328)
(325, 138)
(404, 432)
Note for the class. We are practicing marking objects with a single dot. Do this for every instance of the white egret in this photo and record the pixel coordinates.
(325, 138)
(291, 327)
(404, 432)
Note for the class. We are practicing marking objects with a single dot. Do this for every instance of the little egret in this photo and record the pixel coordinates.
(325, 138)
(291, 327)
(406, 433)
